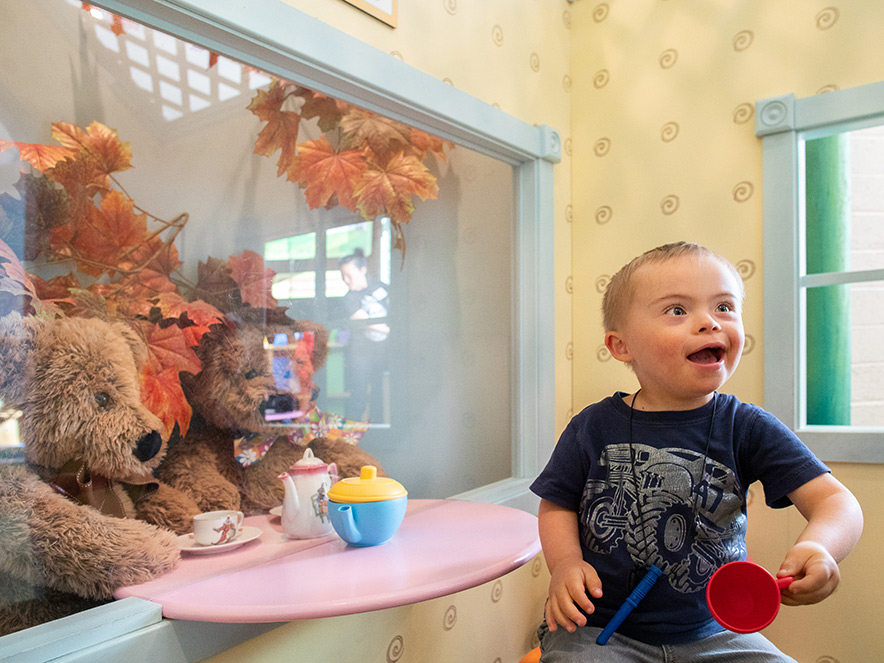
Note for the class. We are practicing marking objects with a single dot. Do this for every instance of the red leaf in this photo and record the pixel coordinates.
(101, 238)
(97, 143)
(168, 348)
(161, 393)
(389, 189)
(254, 281)
(281, 131)
(41, 157)
(324, 173)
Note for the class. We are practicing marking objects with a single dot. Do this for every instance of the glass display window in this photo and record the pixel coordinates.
(380, 278)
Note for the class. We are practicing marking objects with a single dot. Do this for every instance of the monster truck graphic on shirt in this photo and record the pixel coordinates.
(664, 530)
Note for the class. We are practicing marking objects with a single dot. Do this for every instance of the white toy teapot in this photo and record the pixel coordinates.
(305, 506)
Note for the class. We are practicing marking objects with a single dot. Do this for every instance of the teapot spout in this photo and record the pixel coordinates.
(348, 524)
(291, 493)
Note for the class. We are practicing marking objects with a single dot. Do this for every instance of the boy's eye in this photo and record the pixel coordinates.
(676, 310)
(725, 308)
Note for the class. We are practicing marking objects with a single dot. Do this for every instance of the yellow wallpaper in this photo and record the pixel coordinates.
(664, 149)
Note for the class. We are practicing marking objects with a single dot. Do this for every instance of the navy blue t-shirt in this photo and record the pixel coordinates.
(692, 514)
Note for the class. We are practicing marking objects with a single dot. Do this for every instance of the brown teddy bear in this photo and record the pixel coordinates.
(231, 458)
(90, 448)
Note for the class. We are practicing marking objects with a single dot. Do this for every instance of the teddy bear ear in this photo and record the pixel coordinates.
(16, 346)
(136, 344)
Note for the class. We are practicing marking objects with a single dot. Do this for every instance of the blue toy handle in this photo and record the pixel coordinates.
(631, 601)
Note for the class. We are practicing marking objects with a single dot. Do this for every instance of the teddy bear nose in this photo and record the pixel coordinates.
(278, 403)
(148, 446)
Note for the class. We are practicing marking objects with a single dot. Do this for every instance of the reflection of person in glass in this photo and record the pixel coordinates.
(367, 300)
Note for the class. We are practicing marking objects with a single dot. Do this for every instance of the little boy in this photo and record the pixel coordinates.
(660, 477)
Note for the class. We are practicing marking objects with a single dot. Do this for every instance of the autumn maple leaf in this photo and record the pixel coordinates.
(322, 173)
(41, 157)
(381, 134)
(99, 239)
(328, 110)
(193, 318)
(161, 393)
(167, 347)
(253, 279)
(423, 143)
(98, 144)
(82, 180)
(58, 287)
(389, 189)
(281, 131)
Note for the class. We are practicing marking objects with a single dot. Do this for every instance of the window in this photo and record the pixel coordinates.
(824, 268)
(470, 384)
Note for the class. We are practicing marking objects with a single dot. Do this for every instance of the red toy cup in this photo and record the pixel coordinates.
(744, 597)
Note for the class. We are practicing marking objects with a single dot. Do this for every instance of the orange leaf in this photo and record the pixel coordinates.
(318, 105)
(168, 348)
(281, 131)
(389, 189)
(254, 281)
(161, 393)
(422, 143)
(82, 180)
(322, 173)
(98, 143)
(383, 135)
(149, 284)
(56, 288)
(41, 157)
(266, 104)
(101, 238)
(117, 25)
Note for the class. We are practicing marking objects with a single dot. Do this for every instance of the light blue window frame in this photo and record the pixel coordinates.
(785, 123)
(279, 39)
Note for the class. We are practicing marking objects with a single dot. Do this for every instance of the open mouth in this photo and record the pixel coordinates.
(710, 355)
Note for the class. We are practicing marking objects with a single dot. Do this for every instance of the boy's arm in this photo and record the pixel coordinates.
(834, 524)
(571, 576)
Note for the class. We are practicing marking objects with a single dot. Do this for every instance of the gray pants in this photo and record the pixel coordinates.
(726, 647)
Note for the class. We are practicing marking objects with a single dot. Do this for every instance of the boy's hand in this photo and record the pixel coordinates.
(567, 590)
(815, 571)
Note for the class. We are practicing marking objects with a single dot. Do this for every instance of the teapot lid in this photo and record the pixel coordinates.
(369, 487)
(308, 464)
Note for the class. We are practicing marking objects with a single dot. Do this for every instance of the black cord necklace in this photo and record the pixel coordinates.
(652, 572)
(639, 498)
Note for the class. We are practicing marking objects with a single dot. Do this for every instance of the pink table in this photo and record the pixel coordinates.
(442, 547)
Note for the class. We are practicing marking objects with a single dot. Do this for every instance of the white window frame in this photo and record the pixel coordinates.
(281, 40)
(784, 124)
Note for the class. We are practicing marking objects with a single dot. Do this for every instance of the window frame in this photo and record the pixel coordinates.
(785, 123)
(281, 40)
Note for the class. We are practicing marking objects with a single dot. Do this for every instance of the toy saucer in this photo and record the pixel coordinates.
(188, 545)
(276, 511)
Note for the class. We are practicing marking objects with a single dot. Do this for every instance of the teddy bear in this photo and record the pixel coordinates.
(231, 457)
(68, 537)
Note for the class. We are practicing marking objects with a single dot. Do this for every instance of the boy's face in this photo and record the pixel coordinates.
(682, 332)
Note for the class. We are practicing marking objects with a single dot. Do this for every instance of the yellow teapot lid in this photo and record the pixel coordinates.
(369, 487)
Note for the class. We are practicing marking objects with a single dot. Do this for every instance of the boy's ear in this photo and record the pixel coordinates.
(617, 347)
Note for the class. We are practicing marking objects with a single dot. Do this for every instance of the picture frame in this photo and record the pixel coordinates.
(385, 11)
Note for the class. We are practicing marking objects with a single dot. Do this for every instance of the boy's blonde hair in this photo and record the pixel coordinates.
(619, 290)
